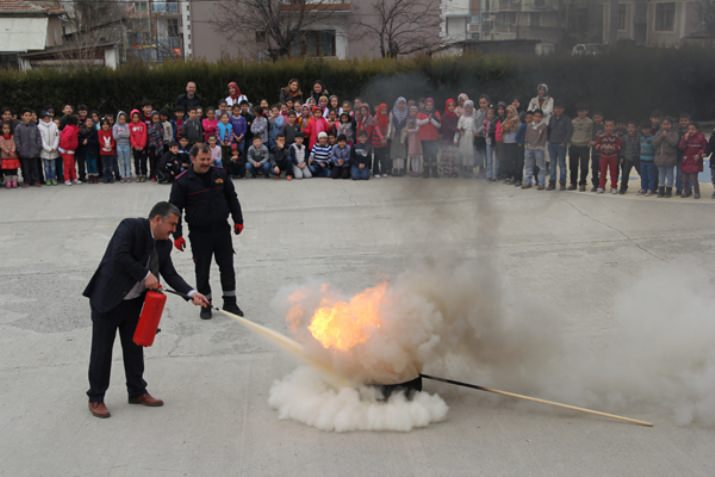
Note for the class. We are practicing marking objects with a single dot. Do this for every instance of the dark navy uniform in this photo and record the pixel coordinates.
(207, 200)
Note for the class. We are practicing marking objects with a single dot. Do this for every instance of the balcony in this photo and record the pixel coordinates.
(336, 6)
(160, 7)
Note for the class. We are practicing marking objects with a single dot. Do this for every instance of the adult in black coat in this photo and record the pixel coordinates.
(189, 99)
(137, 254)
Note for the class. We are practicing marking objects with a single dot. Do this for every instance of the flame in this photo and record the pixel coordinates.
(342, 325)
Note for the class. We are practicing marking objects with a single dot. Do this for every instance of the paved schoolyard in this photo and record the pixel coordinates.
(570, 252)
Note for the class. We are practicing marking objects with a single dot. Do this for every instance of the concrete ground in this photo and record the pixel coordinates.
(215, 376)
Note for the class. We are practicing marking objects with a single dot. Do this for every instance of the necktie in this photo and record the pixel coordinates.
(154, 260)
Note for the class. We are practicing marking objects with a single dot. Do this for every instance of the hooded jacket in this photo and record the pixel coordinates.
(138, 135)
(50, 136)
(694, 149)
(69, 139)
(27, 140)
(666, 148)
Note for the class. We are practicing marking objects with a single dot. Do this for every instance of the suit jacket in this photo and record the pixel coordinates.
(125, 263)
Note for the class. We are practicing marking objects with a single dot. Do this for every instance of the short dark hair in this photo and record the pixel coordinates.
(82, 107)
(198, 148)
(342, 137)
(26, 110)
(537, 111)
(280, 135)
(164, 209)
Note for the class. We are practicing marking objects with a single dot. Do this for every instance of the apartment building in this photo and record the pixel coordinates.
(652, 23)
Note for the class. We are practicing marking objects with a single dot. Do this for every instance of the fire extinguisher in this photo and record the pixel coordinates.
(149, 318)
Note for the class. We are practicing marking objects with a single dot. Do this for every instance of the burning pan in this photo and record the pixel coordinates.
(408, 387)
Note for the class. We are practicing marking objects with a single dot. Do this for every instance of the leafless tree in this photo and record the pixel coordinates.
(277, 23)
(88, 24)
(707, 15)
(403, 27)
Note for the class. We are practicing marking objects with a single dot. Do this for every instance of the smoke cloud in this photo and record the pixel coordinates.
(462, 319)
(303, 396)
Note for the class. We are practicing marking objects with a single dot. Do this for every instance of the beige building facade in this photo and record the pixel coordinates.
(651, 23)
(337, 34)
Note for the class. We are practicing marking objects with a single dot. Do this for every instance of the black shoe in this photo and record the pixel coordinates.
(669, 192)
(232, 307)
(205, 313)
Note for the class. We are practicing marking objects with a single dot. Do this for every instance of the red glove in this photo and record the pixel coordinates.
(180, 243)
(237, 229)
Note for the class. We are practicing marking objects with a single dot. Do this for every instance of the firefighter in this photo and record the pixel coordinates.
(207, 196)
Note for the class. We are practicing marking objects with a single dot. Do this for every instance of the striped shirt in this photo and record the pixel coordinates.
(321, 154)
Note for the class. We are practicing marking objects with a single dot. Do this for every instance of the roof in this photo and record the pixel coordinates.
(27, 7)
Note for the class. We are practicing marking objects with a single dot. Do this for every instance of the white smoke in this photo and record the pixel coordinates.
(657, 349)
(305, 397)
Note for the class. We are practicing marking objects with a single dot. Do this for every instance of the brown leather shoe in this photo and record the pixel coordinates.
(98, 409)
(147, 400)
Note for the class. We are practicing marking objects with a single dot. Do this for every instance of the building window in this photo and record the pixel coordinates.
(664, 16)
(172, 26)
(314, 43)
(622, 11)
(506, 18)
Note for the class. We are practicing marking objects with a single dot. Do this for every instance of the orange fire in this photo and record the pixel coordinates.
(343, 325)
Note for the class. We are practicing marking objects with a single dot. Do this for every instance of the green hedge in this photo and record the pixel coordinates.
(627, 83)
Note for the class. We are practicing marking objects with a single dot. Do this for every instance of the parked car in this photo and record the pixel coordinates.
(586, 49)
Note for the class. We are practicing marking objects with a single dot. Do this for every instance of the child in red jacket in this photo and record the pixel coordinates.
(108, 152)
(138, 137)
(69, 142)
(608, 146)
(695, 147)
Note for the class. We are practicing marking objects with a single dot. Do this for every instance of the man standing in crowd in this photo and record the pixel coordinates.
(207, 195)
(137, 254)
(189, 99)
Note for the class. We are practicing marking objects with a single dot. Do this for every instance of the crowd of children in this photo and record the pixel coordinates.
(319, 135)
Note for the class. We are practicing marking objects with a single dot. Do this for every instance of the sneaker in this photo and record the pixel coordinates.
(600, 191)
(594, 189)
(582, 188)
(562, 187)
(648, 193)
(77, 182)
(376, 176)
(528, 186)
(539, 187)
(68, 183)
(572, 187)
(641, 192)
(614, 190)
(550, 187)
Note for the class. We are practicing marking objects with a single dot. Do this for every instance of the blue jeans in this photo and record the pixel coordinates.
(649, 174)
(318, 171)
(109, 165)
(665, 176)
(50, 169)
(90, 159)
(124, 158)
(359, 174)
(492, 164)
(534, 157)
(264, 169)
(557, 153)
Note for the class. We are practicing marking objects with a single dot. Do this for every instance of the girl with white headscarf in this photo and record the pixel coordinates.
(398, 148)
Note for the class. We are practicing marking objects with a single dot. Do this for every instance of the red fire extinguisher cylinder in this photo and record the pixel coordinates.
(149, 318)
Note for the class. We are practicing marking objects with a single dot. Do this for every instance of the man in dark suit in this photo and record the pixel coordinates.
(137, 254)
